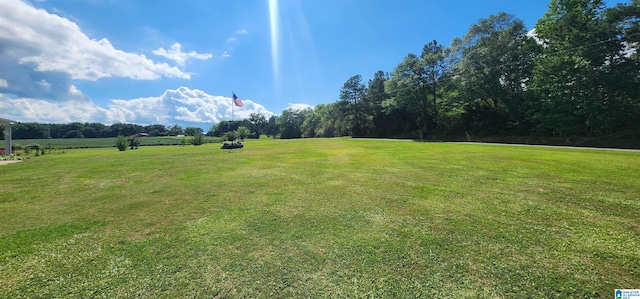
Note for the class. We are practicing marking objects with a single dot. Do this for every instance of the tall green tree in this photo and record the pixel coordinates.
(414, 84)
(29, 131)
(125, 129)
(311, 122)
(493, 62)
(290, 123)
(175, 130)
(351, 102)
(375, 95)
(409, 87)
(566, 76)
(620, 75)
(156, 130)
(192, 131)
(330, 124)
(223, 127)
(271, 127)
(256, 123)
(434, 70)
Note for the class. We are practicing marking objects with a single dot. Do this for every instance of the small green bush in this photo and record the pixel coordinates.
(134, 142)
(242, 132)
(230, 136)
(121, 143)
(35, 147)
(197, 139)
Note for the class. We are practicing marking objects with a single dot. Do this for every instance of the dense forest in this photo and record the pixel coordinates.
(576, 74)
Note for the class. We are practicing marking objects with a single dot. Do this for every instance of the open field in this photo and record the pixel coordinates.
(321, 218)
(66, 143)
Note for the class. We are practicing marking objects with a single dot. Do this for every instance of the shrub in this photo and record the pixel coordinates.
(32, 146)
(133, 141)
(197, 139)
(121, 143)
(242, 132)
(230, 136)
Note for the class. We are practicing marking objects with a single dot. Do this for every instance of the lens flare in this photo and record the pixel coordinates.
(274, 21)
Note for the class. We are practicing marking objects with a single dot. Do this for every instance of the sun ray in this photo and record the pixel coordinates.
(274, 21)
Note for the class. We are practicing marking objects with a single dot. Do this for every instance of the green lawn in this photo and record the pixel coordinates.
(321, 218)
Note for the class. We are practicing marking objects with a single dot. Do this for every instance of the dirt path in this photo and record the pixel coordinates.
(9, 161)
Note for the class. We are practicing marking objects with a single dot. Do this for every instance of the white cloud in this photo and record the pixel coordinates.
(37, 110)
(173, 106)
(533, 34)
(149, 110)
(74, 91)
(3, 83)
(33, 38)
(46, 86)
(233, 39)
(175, 53)
(298, 106)
(195, 105)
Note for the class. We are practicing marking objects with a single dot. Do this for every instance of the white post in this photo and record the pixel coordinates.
(7, 139)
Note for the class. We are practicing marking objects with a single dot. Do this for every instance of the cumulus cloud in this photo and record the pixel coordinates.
(225, 54)
(43, 52)
(193, 105)
(241, 32)
(43, 55)
(181, 105)
(298, 106)
(74, 91)
(150, 110)
(175, 53)
(37, 110)
(231, 39)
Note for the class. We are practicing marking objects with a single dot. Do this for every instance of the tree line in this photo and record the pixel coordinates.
(576, 74)
(32, 130)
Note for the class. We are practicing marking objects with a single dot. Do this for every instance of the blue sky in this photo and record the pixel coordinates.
(177, 62)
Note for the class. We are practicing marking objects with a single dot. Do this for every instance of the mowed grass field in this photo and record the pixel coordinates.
(321, 218)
